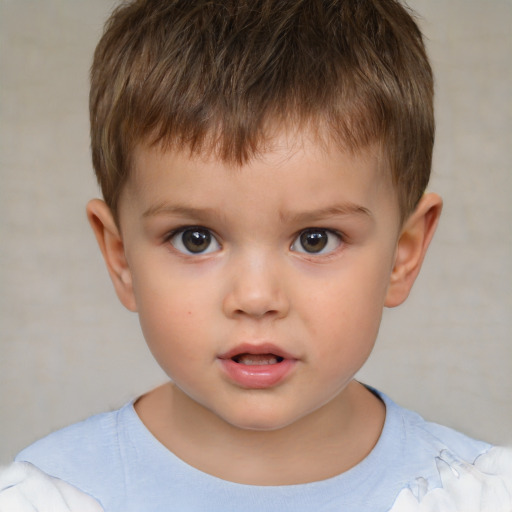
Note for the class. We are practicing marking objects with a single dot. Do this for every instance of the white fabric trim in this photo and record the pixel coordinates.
(485, 486)
(24, 488)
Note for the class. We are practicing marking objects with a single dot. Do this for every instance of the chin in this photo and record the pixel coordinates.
(261, 421)
(260, 426)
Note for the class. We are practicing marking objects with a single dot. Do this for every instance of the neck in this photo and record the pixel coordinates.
(334, 438)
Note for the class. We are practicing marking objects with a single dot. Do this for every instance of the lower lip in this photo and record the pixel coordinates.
(257, 376)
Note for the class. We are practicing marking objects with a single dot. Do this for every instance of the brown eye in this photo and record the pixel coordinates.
(316, 241)
(195, 240)
(313, 241)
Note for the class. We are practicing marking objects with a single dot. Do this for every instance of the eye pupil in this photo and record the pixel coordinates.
(196, 240)
(314, 241)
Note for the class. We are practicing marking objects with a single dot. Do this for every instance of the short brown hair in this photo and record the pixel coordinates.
(213, 75)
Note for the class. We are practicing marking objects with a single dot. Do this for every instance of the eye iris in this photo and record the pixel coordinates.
(196, 240)
(313, 241)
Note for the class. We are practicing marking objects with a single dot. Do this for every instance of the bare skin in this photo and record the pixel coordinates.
(226, 273)
(263, 457)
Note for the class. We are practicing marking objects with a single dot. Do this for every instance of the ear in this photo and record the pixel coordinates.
(412, 246)
(111, 245)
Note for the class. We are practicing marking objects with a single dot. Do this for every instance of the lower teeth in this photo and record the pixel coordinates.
(249, 360)
(252, 362)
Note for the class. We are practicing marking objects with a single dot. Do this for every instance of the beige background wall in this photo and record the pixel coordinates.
(68, 349)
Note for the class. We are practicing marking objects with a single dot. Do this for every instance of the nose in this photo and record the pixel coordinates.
(256, 289)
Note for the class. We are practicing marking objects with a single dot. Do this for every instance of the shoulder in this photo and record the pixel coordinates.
(415, 447)
(84, 454)
(80, 441)
(433, 437)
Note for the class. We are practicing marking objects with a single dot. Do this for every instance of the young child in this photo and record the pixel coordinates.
(263, 165)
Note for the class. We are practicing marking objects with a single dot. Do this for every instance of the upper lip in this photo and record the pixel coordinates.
(255, 349)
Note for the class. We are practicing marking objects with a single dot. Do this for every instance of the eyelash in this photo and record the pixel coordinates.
(333, 237)
(176, 241)
(199, 234)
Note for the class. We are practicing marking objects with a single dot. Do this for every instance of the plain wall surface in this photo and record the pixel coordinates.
(67, 347)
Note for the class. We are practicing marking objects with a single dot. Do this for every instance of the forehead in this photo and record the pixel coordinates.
(277, 141)
(303, 147)
(292, 173)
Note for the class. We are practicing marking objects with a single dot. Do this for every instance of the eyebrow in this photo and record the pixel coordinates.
(325, 213)
(307, 216)
(178, 210)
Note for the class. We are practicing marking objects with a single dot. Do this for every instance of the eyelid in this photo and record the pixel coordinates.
(183, 250)
(340, 239)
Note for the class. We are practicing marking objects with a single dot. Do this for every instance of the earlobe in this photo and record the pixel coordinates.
(111, 245)
(412, 246)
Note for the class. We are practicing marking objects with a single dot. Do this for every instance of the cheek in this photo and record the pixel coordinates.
(170, 296)
(346, 312)
(174, 339)
(173, 317)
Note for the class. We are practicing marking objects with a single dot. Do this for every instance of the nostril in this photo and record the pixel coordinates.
(256, 296)
(257, 313)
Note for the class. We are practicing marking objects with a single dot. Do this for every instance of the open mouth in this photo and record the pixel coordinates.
(257, 359)
(257, 366)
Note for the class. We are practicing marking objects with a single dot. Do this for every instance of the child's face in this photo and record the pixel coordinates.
(260, 289)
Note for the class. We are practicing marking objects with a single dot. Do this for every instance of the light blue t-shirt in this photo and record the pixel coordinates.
(114, 458)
